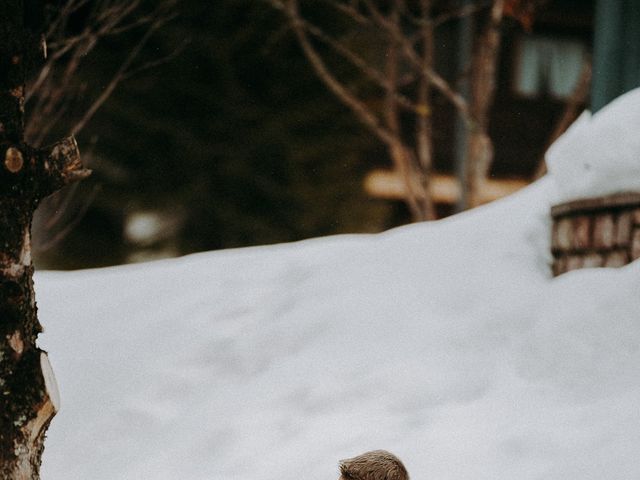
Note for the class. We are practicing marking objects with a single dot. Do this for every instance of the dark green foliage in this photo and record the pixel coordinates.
(235, 134)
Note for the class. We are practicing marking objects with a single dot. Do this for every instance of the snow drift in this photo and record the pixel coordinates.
(600, 153)
(447, 343)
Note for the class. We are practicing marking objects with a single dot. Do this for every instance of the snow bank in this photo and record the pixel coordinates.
(599, 154)
(448, 344)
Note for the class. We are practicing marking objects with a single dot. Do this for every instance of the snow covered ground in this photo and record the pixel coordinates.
(447, 343)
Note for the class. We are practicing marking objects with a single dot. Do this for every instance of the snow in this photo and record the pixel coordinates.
(447, 343)
(600, 153)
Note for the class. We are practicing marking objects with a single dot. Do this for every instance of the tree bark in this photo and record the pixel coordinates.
(423, 130)
(400, 154)
(28, 393)
(483, 86)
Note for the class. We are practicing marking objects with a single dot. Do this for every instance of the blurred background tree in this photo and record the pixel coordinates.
(394, 48)
(206, 127)
(231, 142)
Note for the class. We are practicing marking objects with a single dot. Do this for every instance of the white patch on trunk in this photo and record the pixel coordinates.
(15, 342)
(24, 469)
(24, 260)
(14, 271)
(25, 453)
(25, 253)
(50, 382)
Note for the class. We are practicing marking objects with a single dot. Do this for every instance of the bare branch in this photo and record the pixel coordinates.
(116, 79)
(62, 206)
(423, 123)
(439, 83)
(159, 61)
(70, 225)
(483, 82)
(56, 89)
(463, 11)
(350, 11)
(458, 101)
(338, 89)
(70, 7)
(277, 4)
(374, 11)
(400, 155)
(424, 137)
(357, 61)
(391, 105)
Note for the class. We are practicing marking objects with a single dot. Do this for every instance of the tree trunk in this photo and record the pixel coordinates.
(424, 131)
(483, 86)
(398, 151)
(28, 393)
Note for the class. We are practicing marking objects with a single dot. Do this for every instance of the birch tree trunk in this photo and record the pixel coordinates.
(28, 393)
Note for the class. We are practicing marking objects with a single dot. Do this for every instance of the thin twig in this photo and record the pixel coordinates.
(400, 154)
(457, 100)
(61, 234)
(116, 79)
(466, 10)
(350, 11)
(424, 137)
(360, 109)
(358, 62)
(56, 90)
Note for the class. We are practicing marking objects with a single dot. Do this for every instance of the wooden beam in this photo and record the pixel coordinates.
(388, 184)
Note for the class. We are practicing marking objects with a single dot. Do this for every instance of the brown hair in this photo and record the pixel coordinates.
(374, 465)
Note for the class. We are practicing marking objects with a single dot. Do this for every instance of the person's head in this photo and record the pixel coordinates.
(374, 465)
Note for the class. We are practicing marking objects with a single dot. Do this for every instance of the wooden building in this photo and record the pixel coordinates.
(542, 85)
